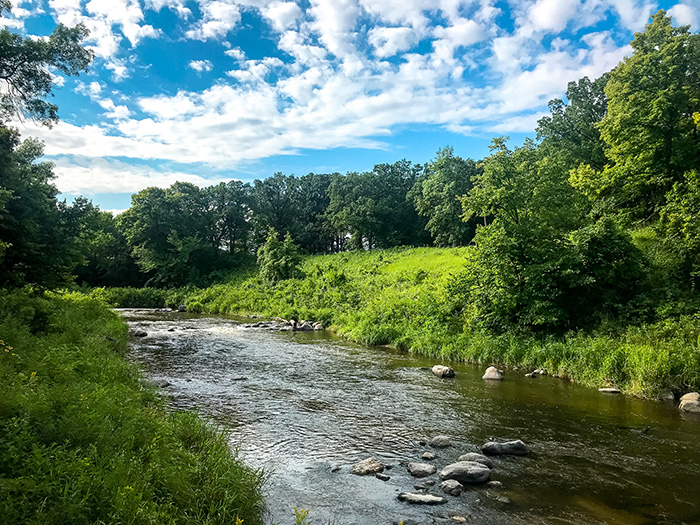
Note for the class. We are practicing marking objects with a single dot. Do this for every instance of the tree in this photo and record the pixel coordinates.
(436, 197)
(541, 265)
(169, 233)
(36, 242)
(25, 68)
(231, 212)
(571, 130)
(373, 208)
(278, 260)
(651, 137)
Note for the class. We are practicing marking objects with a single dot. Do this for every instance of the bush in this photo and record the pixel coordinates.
(84, 440)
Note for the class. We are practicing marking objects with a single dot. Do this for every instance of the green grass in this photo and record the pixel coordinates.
(84, 440)
(400, 297)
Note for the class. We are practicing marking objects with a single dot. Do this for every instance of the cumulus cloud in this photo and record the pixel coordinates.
(218, 18)
(687, 13)
(89, 176)
(201, 65)
(334, 73)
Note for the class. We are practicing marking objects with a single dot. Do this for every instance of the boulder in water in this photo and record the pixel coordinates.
(466, 472)
(452, 487)
(421, 499)
(479, 458)
(513, 448)
(690, 403)
(421, 470)
(493, 373)
(609, 390)
(368, 466)
(443, 371)
(440, 442)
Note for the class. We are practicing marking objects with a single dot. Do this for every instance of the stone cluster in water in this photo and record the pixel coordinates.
(469, 469)
(284, 325)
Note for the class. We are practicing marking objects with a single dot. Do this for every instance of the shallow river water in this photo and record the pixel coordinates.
(305, 406)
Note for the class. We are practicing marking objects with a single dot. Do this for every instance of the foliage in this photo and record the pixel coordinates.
(649, 131)
(373, 209)
(571, 130)
(37, 238)
(278, 260)
(83, 438)
(402, 297)
(436, 196)
(25, 68)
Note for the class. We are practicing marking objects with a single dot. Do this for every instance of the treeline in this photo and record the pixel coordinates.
(597, 219)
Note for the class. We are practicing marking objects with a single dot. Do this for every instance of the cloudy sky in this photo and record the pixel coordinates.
(209, 90)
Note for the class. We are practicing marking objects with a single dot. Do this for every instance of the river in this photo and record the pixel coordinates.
(305, 406)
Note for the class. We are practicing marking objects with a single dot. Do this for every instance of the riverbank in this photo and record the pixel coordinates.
(401, 298)
(83, 437)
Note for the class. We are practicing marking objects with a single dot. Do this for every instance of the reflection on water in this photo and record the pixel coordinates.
(306, 406)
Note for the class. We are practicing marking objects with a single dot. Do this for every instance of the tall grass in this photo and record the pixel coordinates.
(84, 440)
(399, 297)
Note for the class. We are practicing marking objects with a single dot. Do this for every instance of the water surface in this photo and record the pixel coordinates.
(306, 406)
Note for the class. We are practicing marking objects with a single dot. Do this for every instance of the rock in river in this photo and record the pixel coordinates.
(368, 466)
(443, 371)
(452, 487)
(492, 373)
(421, 470)
(421, 499)
(690, 403)
(428, 456)
(479, 458)
(440, 442)
(515, 448)
(609, 390)
(466, 472)
(140, 333)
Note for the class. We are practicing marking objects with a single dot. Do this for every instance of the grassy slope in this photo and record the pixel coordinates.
(399, 297)
(84, 440)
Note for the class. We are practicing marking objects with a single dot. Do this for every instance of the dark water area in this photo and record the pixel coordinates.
(305, 406)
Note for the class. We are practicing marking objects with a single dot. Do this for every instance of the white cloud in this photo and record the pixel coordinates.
(88, 176)
(282, 15)
(523, 124)
(687, 13)
(218, 18)
(175, 5)
(633, 15)
(201, 65)
(335, 21)
(388, 41)
(552, 15)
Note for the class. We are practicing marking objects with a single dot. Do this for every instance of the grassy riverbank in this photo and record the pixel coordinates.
(402, 297)
(83, 439)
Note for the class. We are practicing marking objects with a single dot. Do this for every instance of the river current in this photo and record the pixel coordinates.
(306, 406)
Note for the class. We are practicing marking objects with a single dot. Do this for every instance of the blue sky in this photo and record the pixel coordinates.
(210, 90)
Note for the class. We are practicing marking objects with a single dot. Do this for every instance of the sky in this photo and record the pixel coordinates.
(205, 91)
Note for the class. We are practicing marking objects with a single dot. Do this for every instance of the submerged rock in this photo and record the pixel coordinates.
(514, 448)
(479, 458)
(421, 499)
(443, 371)
(382, 477)
(421, 470)
(609, 390)
(368, 466)
(428, 456)
(440, 442)
(452, 487)
(532, 375)
(493, 373)
(690, 403)
(140, 333)
(466, 472)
